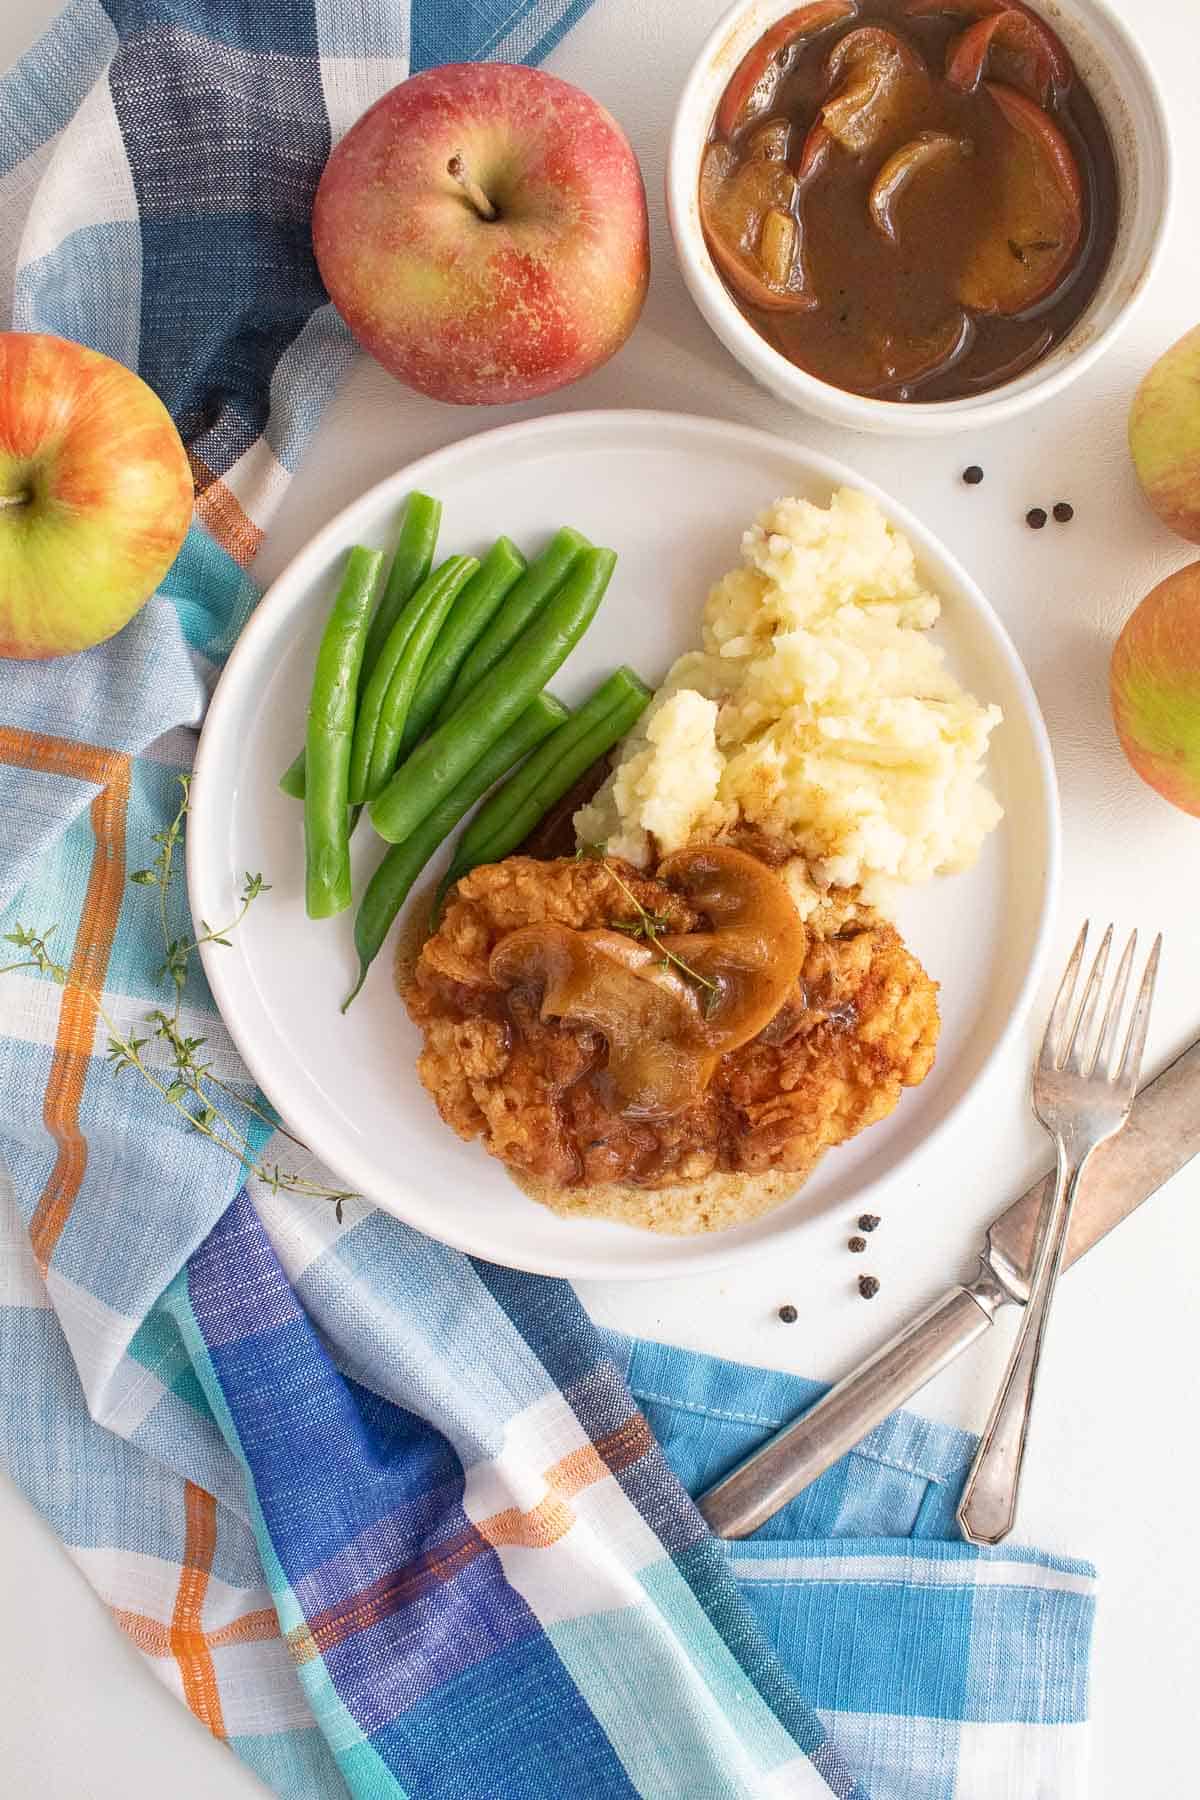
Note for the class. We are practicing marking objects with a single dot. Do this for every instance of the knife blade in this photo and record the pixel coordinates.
(1163, 1134)
(1161, 1137)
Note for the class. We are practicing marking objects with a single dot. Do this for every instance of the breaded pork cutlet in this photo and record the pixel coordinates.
(512, 1062)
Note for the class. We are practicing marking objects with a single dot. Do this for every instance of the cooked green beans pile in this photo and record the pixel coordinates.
(423, 702)
(443, 759)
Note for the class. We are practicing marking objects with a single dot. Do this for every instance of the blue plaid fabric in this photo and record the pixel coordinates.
(371, 1558)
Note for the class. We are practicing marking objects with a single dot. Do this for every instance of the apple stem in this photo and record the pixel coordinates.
(14, 499)
(457, 168)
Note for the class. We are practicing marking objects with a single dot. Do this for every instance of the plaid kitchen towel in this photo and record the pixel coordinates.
(390, 1522)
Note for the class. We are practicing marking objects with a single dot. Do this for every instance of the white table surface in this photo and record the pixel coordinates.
(1114, 1470)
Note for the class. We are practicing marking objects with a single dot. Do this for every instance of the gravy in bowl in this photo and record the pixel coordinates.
(910, 199)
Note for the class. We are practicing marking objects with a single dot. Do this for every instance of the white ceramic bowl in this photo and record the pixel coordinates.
(1130, 100)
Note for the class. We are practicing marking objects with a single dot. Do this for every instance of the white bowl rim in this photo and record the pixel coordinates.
(422, 472)
(910, 418)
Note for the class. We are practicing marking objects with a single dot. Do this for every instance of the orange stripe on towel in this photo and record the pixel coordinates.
(221, 512)
(61, 756)
(149, 1635)
(77, 1015)
(153, 1638)
(189, 1645)
(251, 1628)
(543, 1525)
(534, 1528)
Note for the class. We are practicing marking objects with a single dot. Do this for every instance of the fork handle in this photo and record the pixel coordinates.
(988, 1506)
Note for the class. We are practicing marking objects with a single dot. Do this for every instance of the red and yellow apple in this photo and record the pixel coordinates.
(1164, 436)
(95, 495)
(482, 230)
(1155, 688)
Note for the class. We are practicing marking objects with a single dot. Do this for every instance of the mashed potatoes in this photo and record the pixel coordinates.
(818, 711)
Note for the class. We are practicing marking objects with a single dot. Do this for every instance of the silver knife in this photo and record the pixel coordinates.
(1162, 1135)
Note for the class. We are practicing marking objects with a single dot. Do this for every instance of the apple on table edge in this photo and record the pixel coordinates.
(95, 495)
(482, 230)
(1154, 687)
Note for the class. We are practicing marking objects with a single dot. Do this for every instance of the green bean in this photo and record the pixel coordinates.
(473, 610)
(392, 881)
(515, 809)
(403, 686)
(544, 576)
(410, 565)
(330, 731)
(291, 782)
(436, 593)
(443, 759)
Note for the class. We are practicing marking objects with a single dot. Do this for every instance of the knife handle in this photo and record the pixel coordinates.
(782, 1467)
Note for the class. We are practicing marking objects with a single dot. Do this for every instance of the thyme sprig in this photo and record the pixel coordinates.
(649, 926)
(37, 953)
(158, 875)
(188, 1085)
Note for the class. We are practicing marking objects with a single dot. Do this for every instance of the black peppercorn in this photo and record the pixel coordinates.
(788, 1314)
(1064, 512)
(857, 1244)
(973, 476)
(868, 1287)
(1035, 518)
(868, 1221)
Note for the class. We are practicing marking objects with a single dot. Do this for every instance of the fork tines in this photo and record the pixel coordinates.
(1074, 1042)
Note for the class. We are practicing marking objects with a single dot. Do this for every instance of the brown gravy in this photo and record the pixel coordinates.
(933, 311)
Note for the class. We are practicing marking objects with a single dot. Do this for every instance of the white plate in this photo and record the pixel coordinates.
(672, 495)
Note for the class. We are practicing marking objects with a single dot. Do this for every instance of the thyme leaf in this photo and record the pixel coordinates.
(648, 925)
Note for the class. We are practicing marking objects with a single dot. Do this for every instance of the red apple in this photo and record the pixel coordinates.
(1164, 436)
(95, 495)
(482, 230)
(1155, 688)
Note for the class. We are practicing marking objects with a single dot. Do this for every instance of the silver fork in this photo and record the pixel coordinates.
(1082, 1093)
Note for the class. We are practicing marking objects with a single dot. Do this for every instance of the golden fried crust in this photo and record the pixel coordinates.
(861, 1024)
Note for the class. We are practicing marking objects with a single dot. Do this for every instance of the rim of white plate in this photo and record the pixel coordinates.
(287, 592)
